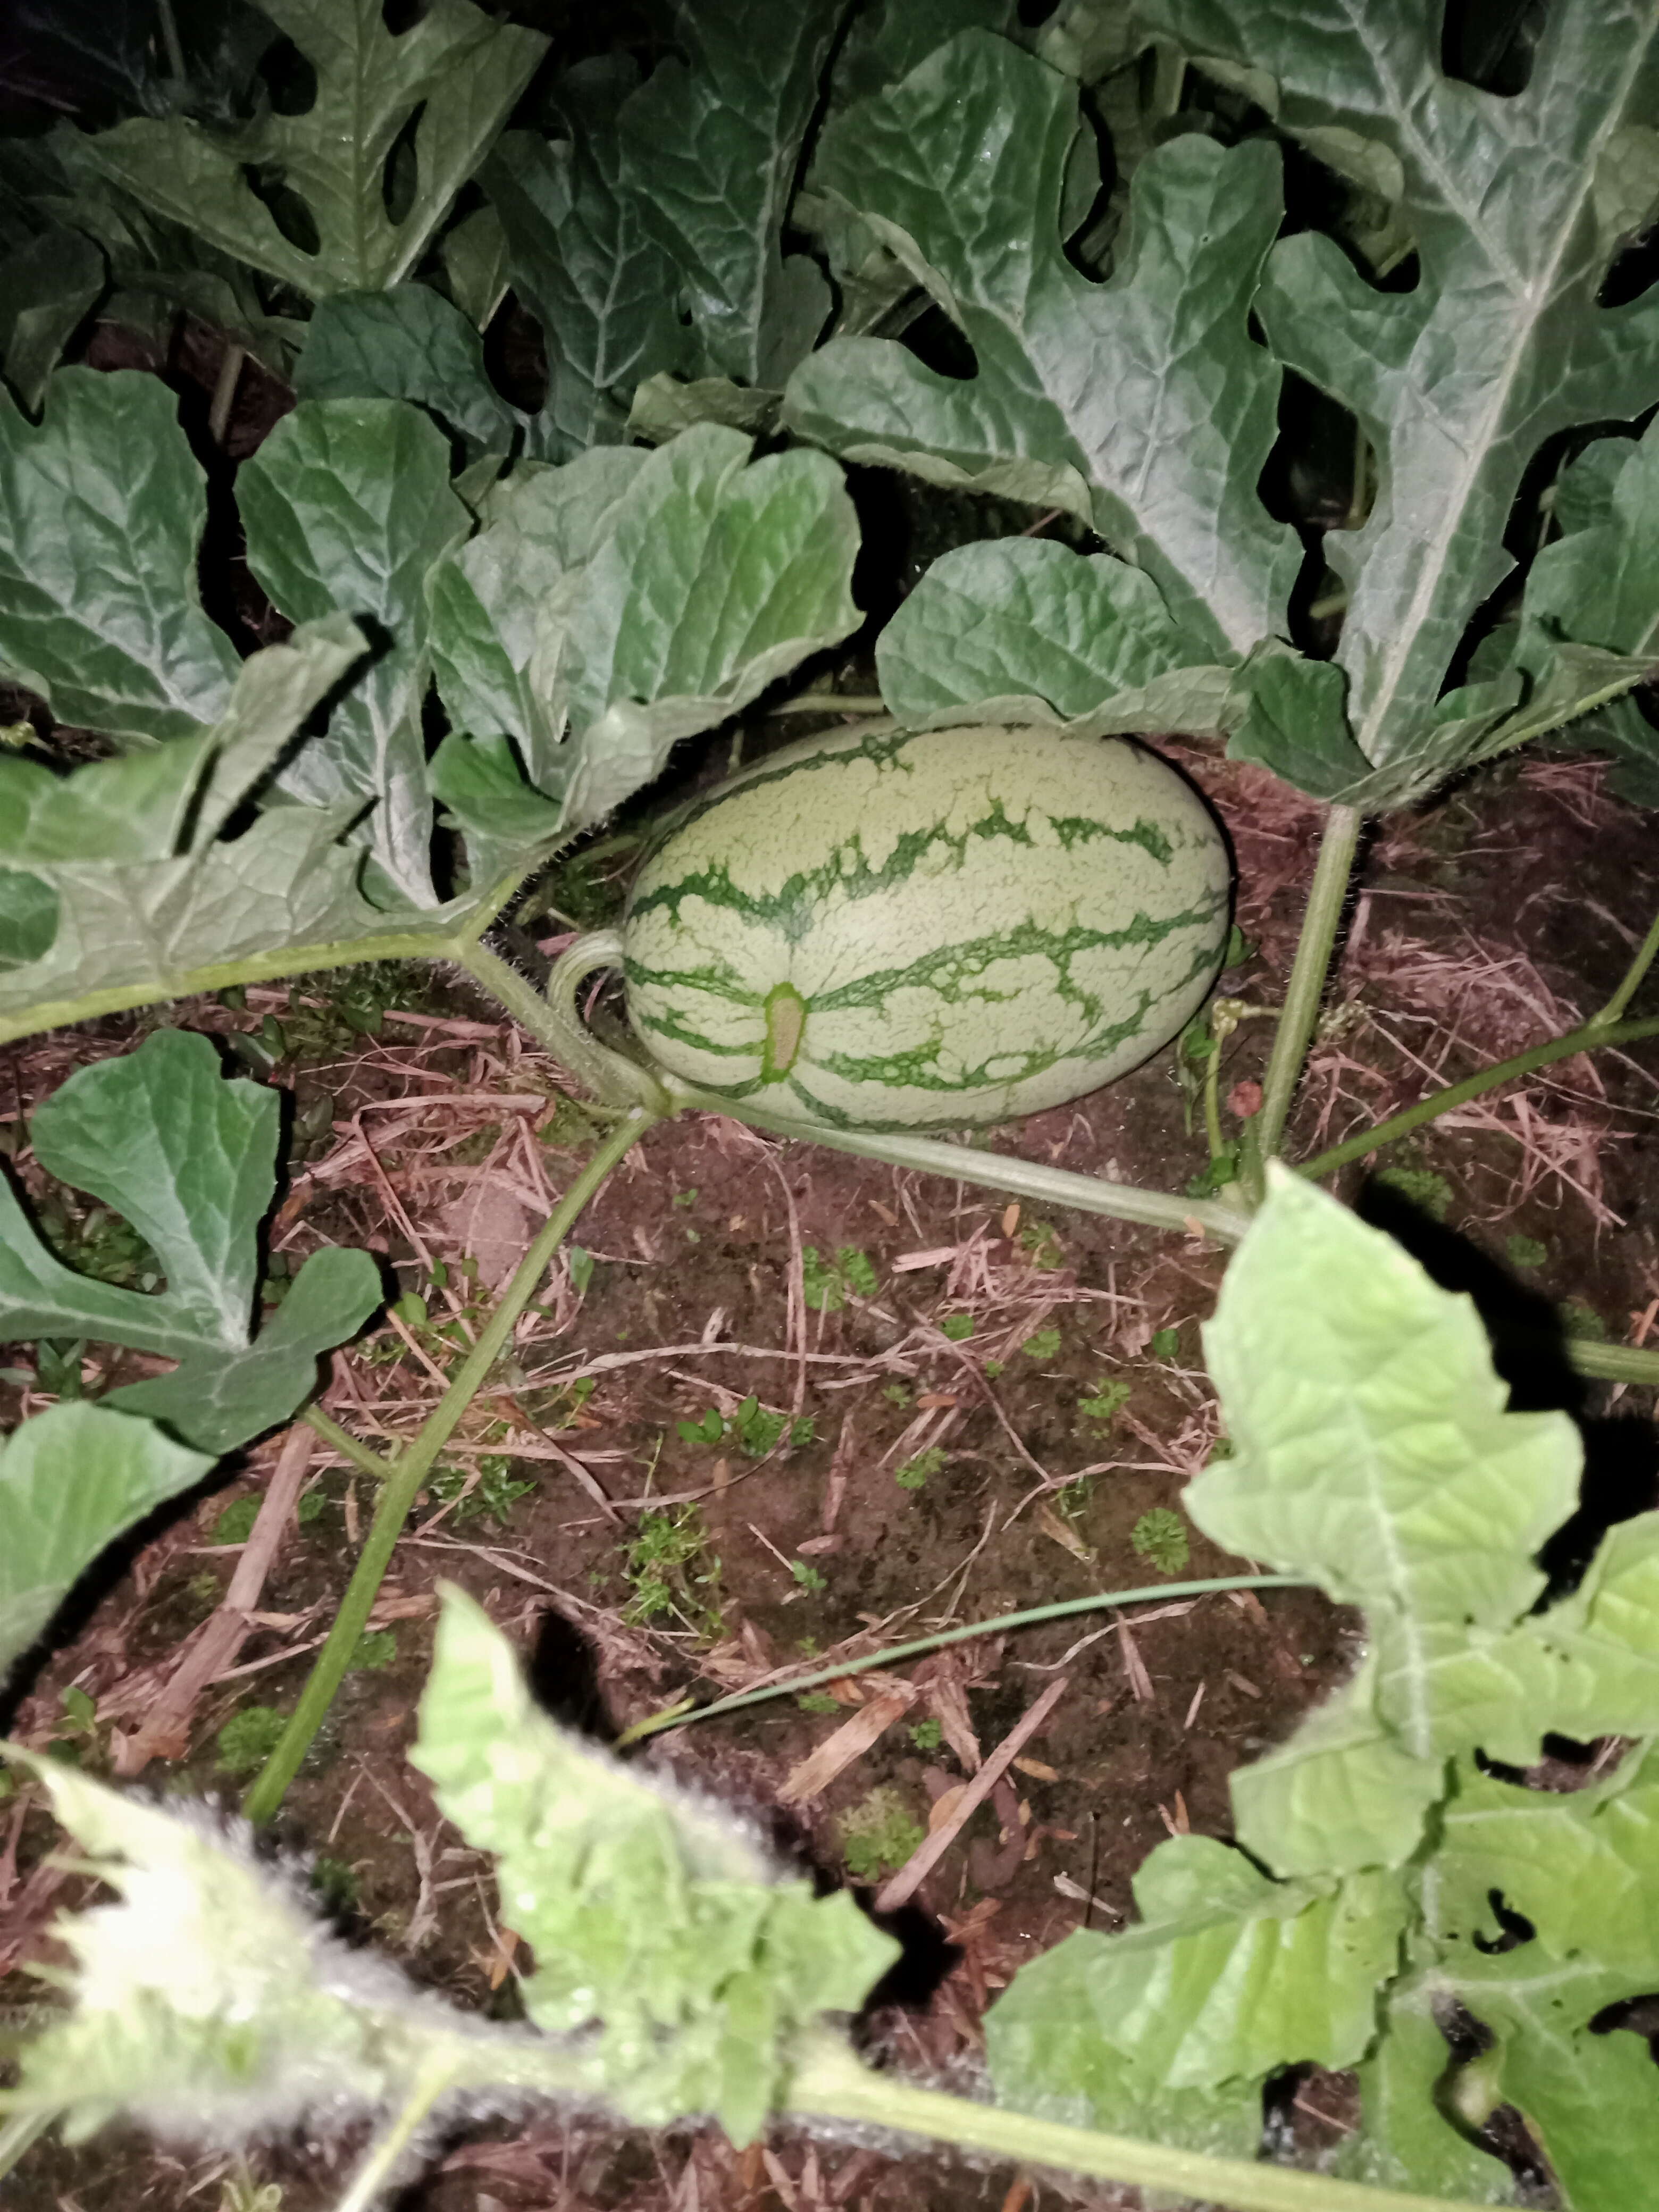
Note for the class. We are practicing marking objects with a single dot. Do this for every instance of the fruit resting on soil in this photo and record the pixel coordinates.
(915, 928)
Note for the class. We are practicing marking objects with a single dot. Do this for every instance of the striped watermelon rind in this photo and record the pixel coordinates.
(917, 929)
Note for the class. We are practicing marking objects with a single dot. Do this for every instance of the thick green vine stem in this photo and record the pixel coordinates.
(554, 1021)
(1591, 1036)
(830, 2082)
(1030, 1179)
(411, 1468)
(1307, 985)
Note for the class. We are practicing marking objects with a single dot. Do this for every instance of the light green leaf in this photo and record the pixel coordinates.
(209, 2001)
(100, 509)
(711, 148)
(714, 579)
(71, 1480)
(188, 1158)
(1500, 342)
(480, 783)
(46, 287)
(1230, 1975)
(1020, 616)
(583, 261)
(501, 610)
(348, 503)
(1340, 1794)
(407, 343)
(652, 1916)
(453, 75)
(1407, 2141)
(1372, 1450)
(131, 917)
(1141, 405)
(474, 255)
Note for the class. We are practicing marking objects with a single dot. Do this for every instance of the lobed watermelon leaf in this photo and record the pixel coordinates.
(189, 1157)
(348, 502)
(1141, 405)
(651, 1915)
(1517, 205)
(1371, 1451)
(449, 82)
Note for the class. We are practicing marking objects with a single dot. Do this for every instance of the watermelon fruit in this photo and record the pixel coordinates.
(907, 929)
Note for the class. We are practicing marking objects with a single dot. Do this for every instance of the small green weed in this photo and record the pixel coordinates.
(1160, 1538)
(333, 1884)
(248, 1738)
(377, 1648)
(1109, 1401)
(1429, 1193)
(914, 1475)
(958, 1327)
(1525, 1251)
(757, 1429)
(1165, 1343)
(817, 1701)
(494, 1495)
(926, 1735)
(878, 1834)
(1041, 1346)
(826, 1284)
(673, 1572)
(897, 1394)
(1583, 1322)
(1040, 1242)
(809, 1576)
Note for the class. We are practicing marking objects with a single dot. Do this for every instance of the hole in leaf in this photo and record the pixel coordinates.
(289, 79)
(938, 344)
(292, 217)
(401, 15)
(1516, 1927)
(1632, 270)
(515, 355)
(1491, 44)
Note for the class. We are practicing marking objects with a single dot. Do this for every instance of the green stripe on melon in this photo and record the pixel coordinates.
(928, 928)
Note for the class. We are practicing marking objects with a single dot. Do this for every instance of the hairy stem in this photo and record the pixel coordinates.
(1030, 1179)
(341, 1441)
(830, 2083)
(1584, 1039)
(1307, 985)
(410, 1469)
(677, 1716)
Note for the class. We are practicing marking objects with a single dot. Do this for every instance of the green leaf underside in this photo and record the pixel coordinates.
(101, 508)
(72, 1480)
(1141, 405)
(453, 74)
(909, 851)
(116, 878)
(649, 1912)
(160, 1137)
(1017, 617)
(1499, 344)
(348, 502)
